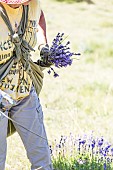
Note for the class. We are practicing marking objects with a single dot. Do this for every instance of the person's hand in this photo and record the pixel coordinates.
(44, 54)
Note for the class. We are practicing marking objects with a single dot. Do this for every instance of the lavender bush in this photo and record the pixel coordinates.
(82, 153)
(60, 55)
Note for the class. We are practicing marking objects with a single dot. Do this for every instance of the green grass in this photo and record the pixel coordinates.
(81, 99)
(72, 164)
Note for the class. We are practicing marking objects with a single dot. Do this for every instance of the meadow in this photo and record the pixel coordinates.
(80, 100)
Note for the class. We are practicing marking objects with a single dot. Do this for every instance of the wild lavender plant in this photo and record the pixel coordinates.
(82, 153)
(60, 55)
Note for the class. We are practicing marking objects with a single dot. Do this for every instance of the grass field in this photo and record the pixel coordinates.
(80, 100)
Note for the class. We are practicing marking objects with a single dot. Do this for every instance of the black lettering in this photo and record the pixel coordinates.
(30, 31)
(30, 23)
(6, 86)
(20, 81)
(12, 87)
(1, 46)
(13, 71)
(4, 56)
(5, 45)
(1, 56)
(17, 89)
(25, 82)
(10, 45)
(26, 89)
(21, 89)
(9, 80)
(3, 81)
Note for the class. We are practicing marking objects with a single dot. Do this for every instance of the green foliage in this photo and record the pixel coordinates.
(82, 163)
(61, 163)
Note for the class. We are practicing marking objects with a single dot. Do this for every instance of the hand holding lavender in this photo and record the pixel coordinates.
(59, 54)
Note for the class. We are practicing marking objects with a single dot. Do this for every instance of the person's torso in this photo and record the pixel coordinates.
(17, 83)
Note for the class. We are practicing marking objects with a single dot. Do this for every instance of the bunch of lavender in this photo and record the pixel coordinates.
(60, 55)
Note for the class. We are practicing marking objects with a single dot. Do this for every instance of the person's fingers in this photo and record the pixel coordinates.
(44, 53)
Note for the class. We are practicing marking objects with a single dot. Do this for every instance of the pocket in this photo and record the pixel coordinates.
(1, 115)
(40, 113)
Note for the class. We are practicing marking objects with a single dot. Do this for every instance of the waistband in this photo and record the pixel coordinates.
(6, 101)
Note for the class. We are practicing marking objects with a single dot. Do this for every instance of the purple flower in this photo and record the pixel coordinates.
(60, 55)
(82, 142)
(104, 151)
(93, 143)
(112, 151)
(100, 142)
(55, 75)
(49, 72)
(105, 167)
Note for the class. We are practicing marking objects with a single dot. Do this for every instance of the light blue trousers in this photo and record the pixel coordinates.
(27, 112)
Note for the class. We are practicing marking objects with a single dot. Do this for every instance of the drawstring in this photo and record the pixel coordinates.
(17, 42)
(22, 125)
(11, 101)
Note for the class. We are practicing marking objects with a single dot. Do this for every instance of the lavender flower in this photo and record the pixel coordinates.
(93, 143)
(100, 142)
(87, 152)
(60, 55)
(112, 151)
(105, 167)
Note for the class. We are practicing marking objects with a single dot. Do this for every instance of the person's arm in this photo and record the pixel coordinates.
(41, 34)
(43, 47)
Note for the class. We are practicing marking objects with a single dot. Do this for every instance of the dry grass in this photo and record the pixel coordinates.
(81, 99)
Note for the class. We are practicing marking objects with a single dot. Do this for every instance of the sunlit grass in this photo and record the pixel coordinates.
(81, 98)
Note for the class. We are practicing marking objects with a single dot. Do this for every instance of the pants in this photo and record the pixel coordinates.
(27, 112)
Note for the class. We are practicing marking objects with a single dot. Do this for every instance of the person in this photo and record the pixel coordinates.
(23, 28)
